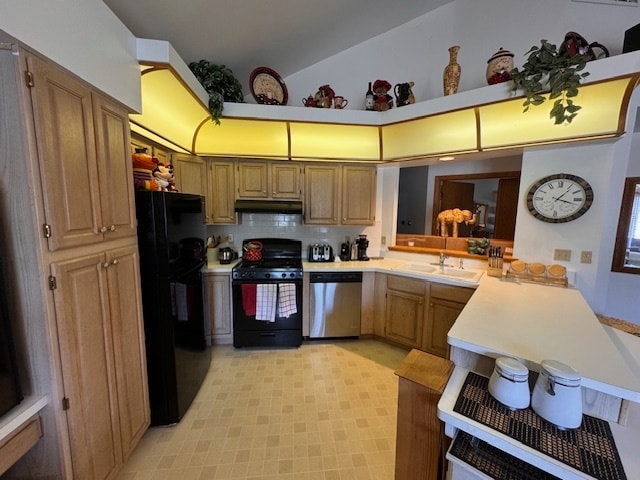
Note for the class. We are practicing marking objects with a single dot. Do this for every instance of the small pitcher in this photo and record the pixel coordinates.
(403, 93)
(340, 102)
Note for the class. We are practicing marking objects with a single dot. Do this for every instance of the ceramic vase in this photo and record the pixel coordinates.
(451, 75)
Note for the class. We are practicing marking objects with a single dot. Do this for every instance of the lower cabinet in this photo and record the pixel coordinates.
(416, 313)
(405, 310)
(100, 335)
(218, 307)
(445, 304)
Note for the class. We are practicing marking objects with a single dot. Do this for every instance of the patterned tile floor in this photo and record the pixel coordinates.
(326, 410)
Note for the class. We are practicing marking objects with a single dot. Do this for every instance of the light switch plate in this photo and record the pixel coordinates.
(562, 255)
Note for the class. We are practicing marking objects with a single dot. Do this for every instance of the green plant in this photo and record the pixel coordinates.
(221, 85)
(548, 69)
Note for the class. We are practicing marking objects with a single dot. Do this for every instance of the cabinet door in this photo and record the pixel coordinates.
(322, 195)
(358, 195)
(190, 173)
(221, 198)
(67, 153)
(114, 168)
(218, 306)
(404, 318)
(123, 276)
(84, 333)
(285, 180)
(253, 179)
(442, 316)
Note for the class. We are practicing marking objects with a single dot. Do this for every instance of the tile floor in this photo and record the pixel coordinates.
(326, 410)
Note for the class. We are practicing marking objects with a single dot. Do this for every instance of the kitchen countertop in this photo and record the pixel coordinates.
(537, 322)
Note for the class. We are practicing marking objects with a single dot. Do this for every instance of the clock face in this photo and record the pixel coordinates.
(559, 198)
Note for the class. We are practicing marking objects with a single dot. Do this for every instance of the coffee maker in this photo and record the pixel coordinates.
(362, 244)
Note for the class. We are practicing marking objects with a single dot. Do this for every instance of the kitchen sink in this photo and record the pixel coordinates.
(431, 270)
(419, 267)
(472, 275)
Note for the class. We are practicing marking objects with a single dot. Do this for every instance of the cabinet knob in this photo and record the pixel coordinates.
(112, 228)
(103, 230)
(105, 265)
(115, 261)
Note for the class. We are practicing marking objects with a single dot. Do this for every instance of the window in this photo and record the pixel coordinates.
(626, 256)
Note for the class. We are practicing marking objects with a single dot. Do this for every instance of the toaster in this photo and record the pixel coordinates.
(320, 253)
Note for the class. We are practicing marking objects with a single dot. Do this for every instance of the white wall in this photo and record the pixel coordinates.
(83, 36)
(418, 50)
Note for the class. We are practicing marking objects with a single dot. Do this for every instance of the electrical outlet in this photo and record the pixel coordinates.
(562, 255)
(383, 241)
(230, 237)
(585, 256)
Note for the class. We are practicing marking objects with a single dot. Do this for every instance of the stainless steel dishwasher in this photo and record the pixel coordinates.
(334, 307)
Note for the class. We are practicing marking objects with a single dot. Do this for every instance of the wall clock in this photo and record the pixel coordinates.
(559, 198)
(267, 87)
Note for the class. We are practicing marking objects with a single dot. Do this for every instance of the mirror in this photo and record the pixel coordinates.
(492, 196)
(626, 255)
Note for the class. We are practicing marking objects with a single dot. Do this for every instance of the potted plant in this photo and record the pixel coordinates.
(553, 70)
(221, 85)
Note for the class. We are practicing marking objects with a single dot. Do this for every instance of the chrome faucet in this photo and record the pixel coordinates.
(443, 257)
(461, 264)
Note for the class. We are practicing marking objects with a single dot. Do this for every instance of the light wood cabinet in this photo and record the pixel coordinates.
(218, 307)
(405, 310)
(221, 198)
(68, 167)
(82, 139)
(269, 180)
(445, 304)
(339, 194)
(100, 339)
(358, 195)
(321, 194)
(191, 174)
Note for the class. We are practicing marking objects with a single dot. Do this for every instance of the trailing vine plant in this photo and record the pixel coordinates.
(221, 85)
(548, 69)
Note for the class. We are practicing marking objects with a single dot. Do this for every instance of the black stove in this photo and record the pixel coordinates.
(281, 260)
(267, 295)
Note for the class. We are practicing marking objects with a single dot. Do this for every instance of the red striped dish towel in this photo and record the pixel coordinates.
(266, 296)
(248, 298)
(287, 299)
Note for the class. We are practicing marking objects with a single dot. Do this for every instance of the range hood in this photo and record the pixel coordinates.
(292, 207)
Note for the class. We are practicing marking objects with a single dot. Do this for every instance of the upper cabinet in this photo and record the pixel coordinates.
(339, 194)
(358, 194)
(269, 180)
(86, 179)
(220, 201)
(191, 174)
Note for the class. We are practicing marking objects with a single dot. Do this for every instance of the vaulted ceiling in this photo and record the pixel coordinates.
(285, 35)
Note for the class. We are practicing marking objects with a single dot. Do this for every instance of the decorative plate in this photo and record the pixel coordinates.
(267, 87)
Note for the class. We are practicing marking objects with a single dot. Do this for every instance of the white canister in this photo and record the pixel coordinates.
(509, 383)
(557, 396)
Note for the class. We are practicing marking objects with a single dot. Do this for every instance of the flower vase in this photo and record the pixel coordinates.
(451, 74)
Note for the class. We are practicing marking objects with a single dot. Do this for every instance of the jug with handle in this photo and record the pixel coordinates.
(403, 93)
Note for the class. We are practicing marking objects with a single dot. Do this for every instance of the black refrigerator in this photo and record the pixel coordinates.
(171, 240)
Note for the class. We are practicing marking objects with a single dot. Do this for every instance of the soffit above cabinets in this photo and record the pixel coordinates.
(490, 118)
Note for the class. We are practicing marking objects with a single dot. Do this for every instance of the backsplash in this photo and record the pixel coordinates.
(264, 225)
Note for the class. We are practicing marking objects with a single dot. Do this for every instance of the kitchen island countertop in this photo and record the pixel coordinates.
(536, 322)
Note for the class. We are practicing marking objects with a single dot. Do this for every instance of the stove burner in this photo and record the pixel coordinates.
(282, 261)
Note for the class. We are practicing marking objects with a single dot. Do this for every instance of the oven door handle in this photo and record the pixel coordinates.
(267, 334)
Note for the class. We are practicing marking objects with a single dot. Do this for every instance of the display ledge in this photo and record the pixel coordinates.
(455, 421)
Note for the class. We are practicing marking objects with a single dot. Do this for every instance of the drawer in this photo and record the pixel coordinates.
(448, 292)
(407, 285)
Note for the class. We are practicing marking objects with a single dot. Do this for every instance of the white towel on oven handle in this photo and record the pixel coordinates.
(287, 304)
(266, 296)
